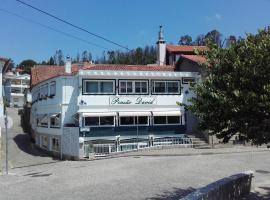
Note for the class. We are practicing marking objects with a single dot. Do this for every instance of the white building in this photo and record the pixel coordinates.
(100, 108)
(15, 85)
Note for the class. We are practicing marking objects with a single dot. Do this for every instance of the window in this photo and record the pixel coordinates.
(127, 121)
(98, 87)
(52, 88)
(163, 120)
(99, 121)
(55, 144)
(187, 80)
(107, 120)
(16, 90)
(44, 91)
(55, 120)
(173, 119)
(25, 82)
(44, 142)
(42, 121)
(160, 120)
(91, 121)
(133, 120)
(166, 87)
(133, 87)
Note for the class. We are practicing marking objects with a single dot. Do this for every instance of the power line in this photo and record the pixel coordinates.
(53, 29)
(73, 25)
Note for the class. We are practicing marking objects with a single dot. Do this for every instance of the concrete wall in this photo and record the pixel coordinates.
(228, 188)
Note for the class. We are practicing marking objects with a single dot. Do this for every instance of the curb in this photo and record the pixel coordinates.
(170, 155)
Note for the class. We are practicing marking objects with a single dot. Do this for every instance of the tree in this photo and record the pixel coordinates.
(235, 97)
(230, 40)
(51, 61)
(185, 40)
(85, 56)
(58, 57)
(200, 40)
(215, 37)
(26, 65)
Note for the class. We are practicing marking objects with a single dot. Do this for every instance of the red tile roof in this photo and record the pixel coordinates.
(42, 73)
(184, 48)
(129, 67)
(195, 58)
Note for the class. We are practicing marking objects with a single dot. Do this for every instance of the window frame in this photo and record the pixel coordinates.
(167, 124)
(57, 141)
(188, 82)
(40, 118)
(114, 124)
(53, 83)
(51, 116)
(166, 87)
(134, 121)
(84, 81)
(133, 81)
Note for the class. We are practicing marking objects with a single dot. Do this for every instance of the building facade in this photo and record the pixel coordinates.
(84, 109)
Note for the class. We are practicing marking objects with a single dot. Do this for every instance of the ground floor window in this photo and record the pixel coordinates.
(99, 121)
(133, 120)
(55, 144)
(44, 142)
(163, 120)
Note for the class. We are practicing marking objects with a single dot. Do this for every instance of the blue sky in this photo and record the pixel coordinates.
(128, 22)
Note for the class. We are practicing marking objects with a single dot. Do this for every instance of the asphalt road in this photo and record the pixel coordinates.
(129, 177)
(159, 175)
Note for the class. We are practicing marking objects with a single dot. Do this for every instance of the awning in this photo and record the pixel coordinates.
(167, 113)
(126, 114)
(97, 114)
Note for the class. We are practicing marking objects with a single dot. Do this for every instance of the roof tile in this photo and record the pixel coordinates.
(40, 73)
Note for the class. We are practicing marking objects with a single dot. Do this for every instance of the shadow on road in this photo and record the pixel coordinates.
(176, 194)
(23, 141)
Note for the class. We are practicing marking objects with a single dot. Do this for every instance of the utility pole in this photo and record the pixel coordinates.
(6, 137)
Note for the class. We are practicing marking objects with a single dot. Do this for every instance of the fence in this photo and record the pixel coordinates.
(105, 149)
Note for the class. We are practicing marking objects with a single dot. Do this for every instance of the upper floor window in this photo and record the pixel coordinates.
(42, 120)
(187, 80)
(166, 87)
(133, 87)
(99, 121)
(52, 88)
(55, 120)
(98, 87)
(44, 91)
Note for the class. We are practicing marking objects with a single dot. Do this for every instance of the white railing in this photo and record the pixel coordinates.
(105, 149)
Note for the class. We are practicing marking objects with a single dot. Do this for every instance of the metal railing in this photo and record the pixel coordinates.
(105, 149)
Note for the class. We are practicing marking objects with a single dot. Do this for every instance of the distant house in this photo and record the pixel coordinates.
(15, 86)
(82, 109)
(3, 66)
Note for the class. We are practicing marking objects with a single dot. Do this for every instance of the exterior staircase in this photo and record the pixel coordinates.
(199, 142)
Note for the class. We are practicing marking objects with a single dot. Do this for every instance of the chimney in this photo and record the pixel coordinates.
(161, 48)
(68, 65)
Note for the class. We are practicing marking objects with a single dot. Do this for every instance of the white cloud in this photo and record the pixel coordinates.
(218, 16)
(215, 17)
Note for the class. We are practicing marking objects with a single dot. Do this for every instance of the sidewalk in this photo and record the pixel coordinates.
(186, 151)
